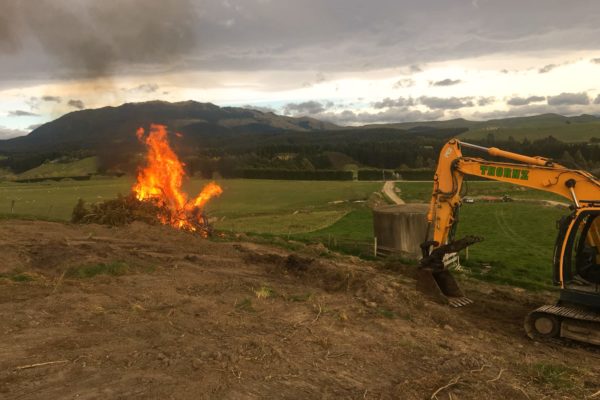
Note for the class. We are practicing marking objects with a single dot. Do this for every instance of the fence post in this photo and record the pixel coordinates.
(375, 246)
(12, 207)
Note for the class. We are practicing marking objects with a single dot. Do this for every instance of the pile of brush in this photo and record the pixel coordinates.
(125, 209)
(115, 212)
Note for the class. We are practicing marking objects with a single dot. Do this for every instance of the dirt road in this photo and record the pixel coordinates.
(171, 316)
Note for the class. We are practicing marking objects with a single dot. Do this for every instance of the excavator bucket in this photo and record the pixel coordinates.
(441, 286)
(434, 279)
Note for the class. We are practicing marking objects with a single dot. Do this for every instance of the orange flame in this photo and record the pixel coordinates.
(161, 180)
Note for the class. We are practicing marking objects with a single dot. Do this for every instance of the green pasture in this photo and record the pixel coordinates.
(518, 241)
(418, 192)
(573, 132)
(53, 169)
(260, 206)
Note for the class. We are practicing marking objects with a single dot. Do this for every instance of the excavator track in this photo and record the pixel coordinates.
(557, 321)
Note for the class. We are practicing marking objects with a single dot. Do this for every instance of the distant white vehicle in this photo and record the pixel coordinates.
(468, 200)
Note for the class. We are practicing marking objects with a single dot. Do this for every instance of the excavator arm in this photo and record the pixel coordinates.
(580, 187)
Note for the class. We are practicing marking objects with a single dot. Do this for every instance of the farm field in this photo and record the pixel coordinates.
(420, 192)
(265, 206)
(538, 129)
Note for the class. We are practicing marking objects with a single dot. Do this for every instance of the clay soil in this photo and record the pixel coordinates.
(147, 312)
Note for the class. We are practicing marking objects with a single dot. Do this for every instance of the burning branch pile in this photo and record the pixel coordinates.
(157, 194)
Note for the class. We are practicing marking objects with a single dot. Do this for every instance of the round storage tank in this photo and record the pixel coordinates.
(400, 229)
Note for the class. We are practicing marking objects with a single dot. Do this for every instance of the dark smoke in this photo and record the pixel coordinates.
(8, 27)
(92, 38)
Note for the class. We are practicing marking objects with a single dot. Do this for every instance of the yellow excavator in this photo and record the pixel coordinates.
(576, 263)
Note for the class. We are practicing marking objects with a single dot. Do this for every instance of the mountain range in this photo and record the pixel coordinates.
(231, 138)
(116, 126)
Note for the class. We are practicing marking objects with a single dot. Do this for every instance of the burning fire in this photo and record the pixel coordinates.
(160, 181)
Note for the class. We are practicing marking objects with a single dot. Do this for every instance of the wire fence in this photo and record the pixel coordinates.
(360, 248)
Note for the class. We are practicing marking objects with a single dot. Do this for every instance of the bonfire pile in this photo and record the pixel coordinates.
(156, 197)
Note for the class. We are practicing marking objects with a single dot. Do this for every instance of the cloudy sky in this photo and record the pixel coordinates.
(347, 61)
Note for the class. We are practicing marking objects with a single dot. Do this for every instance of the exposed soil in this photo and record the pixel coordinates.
(187, 318)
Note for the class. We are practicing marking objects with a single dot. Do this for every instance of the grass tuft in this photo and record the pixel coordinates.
(17, 276)
(114, 268)
(245, 305)
(300, 297)
(389, 314)
(558, 376)
(264, 292)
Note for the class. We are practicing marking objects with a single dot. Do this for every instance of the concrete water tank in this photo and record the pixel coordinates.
(400, 229)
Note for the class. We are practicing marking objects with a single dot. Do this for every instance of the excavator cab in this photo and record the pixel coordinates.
(577, 258)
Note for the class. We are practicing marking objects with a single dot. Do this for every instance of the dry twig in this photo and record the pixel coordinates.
(498, 377)
(478, 370)
(318, 315)
(522, 391)
(595, 395)
(451, 383)
(40, 364)
(59, 281)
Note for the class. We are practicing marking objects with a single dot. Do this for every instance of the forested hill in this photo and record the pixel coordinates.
(227, 139)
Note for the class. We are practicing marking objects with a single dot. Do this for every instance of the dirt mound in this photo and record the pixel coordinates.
(146, 311)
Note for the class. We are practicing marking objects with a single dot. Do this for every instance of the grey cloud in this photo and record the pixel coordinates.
(523, 101)
(399, 102)
(597, 99)
(305, 108)
(21, 113)
(569, 99)
(259, 108)
(78, 104)
(415, 68)
(404, 83)
(93, 38)
(547, 68)
(484, 101)
(446, 82)
(34, 126)
(392, 115)
(7, 133)
(145, 87)
(55, 99)
(33, 103)
(595, 60)
(449, 103)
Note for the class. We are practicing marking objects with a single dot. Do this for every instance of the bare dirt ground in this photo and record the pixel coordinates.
(190, 318)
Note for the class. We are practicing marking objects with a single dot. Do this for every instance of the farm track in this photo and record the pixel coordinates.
(193, 318)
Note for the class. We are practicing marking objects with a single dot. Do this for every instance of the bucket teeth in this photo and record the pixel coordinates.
(459, 301)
